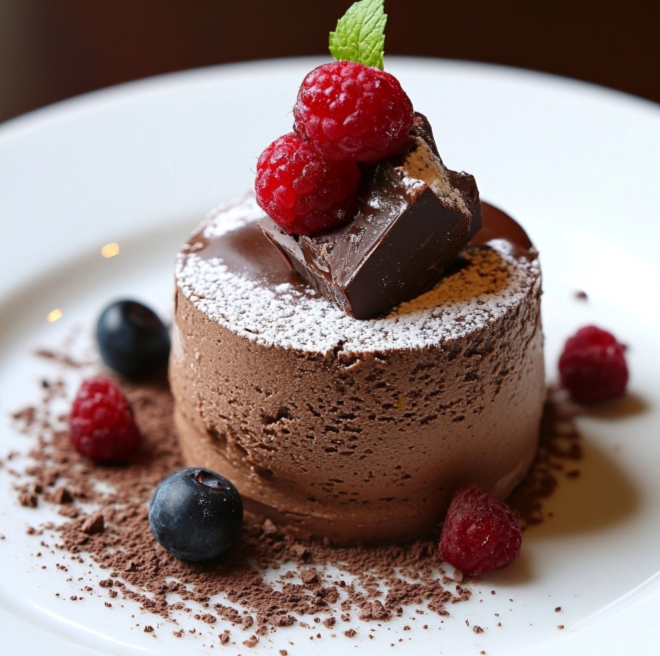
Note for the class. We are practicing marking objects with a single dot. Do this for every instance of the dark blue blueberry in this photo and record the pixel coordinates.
(132, 340)
(196, 514)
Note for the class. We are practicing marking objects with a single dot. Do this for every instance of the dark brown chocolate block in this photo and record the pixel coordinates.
(414, 217)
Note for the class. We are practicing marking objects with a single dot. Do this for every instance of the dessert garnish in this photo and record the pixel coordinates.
(303, 192)
(101, 423)
(349, 111)
(132, 339)
(392, 230)
(593, 366)
(480, 533)
(196, 514)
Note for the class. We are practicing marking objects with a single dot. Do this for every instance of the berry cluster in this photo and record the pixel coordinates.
(346, 113)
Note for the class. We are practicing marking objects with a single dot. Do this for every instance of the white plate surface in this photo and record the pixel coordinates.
(140, 164)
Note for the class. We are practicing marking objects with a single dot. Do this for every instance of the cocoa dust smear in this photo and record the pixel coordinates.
(269, 580)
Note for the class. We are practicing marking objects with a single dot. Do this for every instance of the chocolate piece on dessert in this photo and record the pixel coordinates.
(356, 430)
(414, 217)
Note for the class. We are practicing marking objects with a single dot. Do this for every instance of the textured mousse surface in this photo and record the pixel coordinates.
(352, 429)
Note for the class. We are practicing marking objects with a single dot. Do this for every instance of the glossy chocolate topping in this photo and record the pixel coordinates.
(413, 218)
(247, 251)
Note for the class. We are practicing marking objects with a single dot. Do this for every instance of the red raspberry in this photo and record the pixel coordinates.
(300, 191)
(480, 533)
(101, 424)
(593, 366)
(350, 111)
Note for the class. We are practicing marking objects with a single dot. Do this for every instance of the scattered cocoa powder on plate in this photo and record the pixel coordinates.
(269, 580)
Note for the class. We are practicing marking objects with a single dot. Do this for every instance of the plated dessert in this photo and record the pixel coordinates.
(356, 429)
(363, 338)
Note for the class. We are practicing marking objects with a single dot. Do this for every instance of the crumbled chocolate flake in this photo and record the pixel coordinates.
(349, 633)
(558, 609)
(581, 295)
(93, 524)
(28, 499)
(309, 575)
(224, 637)
(148, 629)
(61, 496)
(251, 641)
(477, 629)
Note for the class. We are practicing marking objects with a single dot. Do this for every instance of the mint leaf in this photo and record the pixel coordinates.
(360, 35)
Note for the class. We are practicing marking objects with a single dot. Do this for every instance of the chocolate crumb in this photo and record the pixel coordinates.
(148, 629)
(309, 575)
(61, 496)
(28, 500)
(477, 629)
(349, 633)
(69, 511)
(251, 641)
(581, 295)
(558, 609)
(560, 626)
(93, 524)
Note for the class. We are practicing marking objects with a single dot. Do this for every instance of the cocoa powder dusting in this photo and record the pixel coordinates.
(340, 586)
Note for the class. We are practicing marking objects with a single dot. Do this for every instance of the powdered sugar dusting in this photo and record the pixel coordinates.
(491, 282)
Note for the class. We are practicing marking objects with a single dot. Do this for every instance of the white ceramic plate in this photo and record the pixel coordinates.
(140, 164)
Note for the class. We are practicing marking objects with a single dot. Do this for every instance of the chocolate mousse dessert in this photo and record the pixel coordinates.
(361, 337)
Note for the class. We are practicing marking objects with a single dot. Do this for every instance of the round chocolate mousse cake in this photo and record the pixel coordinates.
(350, 429)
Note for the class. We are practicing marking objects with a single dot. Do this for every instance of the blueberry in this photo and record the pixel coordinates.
(196, 514)
(132, 339)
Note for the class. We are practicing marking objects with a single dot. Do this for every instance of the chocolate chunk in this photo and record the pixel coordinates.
(414, 217)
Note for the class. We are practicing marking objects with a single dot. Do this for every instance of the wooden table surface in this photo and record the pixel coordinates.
(54, 49)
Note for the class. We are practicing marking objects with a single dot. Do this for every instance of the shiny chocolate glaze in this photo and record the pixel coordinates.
(248, 252)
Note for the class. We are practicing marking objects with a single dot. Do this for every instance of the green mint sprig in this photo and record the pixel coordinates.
(360, 35)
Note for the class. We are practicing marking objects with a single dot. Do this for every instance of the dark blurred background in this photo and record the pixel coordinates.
(53, 49)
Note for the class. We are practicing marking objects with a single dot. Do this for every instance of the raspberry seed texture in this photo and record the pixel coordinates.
(346, 110)
(593, 366)
(300, 191)
(480, 533)
(101, 424)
